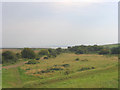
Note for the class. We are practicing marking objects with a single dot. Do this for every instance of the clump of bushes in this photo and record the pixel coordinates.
(28, 53)
(52, 69)
(56, 68)
(38, 58)
(77, 59)
(86, 68)
(45, 58)
(115, 50)
(79, 52)
(44, 52)
(104, 51)
(67, 72)
(65, 65)
(43, 71)
(84, 60)
(32, 62)
(28, 69)
(9, 57)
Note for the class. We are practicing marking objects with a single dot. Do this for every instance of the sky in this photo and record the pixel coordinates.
(59, 24)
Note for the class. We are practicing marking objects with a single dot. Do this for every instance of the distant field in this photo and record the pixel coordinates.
(110, 45)
(15, 50)
(64, 71)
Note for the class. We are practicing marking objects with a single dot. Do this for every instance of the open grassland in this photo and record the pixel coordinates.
(64, 71)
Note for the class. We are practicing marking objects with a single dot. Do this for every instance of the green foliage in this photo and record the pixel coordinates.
(28, 53)
(52, 53)
(65, 65)
(8, 57)
(67, 72)
(44, 52)
(18, 55)
(104, 51)
(58, 50)
(85, 49)
(32, 62)
(77, 59)
(115, 50)
(79, 52)
(86, 68)
(37, 58)
(104, 74)
(84, 60)
(45, 57)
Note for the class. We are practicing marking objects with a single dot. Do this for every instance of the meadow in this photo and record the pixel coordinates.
(67, 70)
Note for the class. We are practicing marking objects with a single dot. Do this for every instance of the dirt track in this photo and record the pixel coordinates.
(14, 66)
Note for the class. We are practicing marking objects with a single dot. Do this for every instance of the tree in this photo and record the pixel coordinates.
(104, 51)
(28, 53)
(8, 57)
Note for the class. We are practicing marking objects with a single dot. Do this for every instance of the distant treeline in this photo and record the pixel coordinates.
(28, 53)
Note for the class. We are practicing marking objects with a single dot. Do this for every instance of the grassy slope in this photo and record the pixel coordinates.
(104, 75)
(110, 45)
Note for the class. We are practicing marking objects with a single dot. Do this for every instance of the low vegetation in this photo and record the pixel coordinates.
(75, 67)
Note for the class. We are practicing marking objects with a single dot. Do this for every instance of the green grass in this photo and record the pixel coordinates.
(105, 74)
(110, 45)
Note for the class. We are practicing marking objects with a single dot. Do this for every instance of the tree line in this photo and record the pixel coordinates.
(28, 53)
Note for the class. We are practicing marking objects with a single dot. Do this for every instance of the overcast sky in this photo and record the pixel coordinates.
(49, 24)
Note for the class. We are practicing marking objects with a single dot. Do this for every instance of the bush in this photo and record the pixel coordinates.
(66, 65)
(115, 50)
(104, 51)
(38, 58)
(28, 53)
(45, 57)
(32, 62)
(8, 57)
(77, 59)
(56, 68)
(44, 52)
(84, 60)
(79, 52)
(86, 68)
(18, 55)
(67, 72)
(52, 53)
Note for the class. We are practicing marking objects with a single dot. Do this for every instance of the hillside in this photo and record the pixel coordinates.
(65, 71)
(110, 45)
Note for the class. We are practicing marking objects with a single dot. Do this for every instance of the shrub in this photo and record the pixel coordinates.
(86, 68)
(8, 57)
(67, 72)
(44, 52)
(104, 51)
(18, 55)
(66, 65)
(115, 50)
(93, 67)
(56, 68)
(32, 62)
(28, 53)
(79, 52)
(38, 58)
(45, 57)
(77, 59)
(84, 60)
